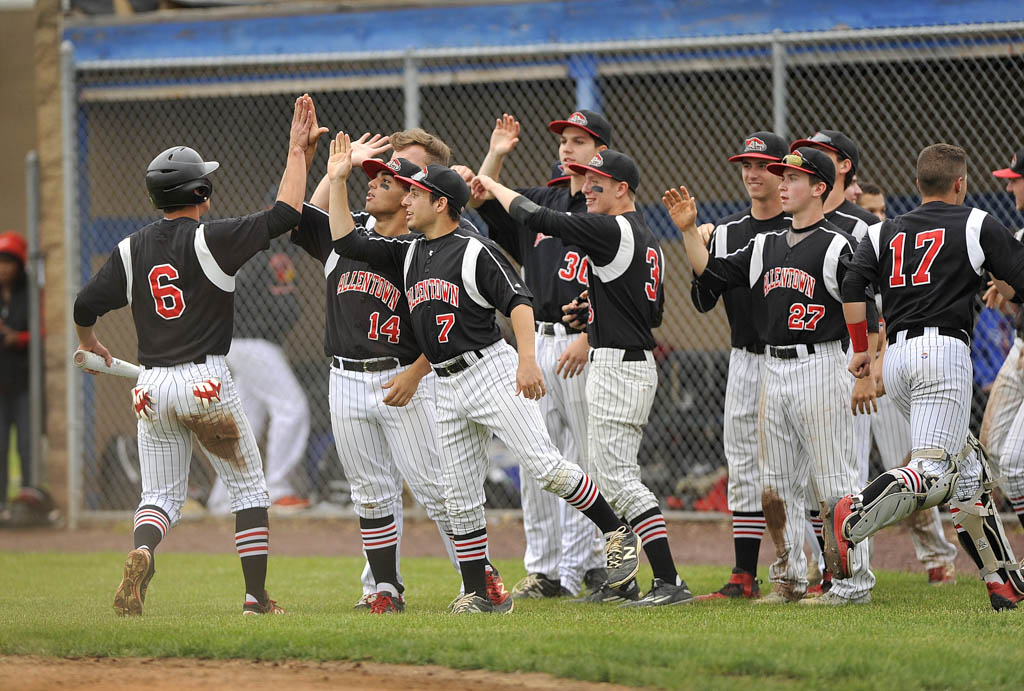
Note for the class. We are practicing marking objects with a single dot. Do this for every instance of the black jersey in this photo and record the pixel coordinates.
(732, 233)
(453, 285)
(627, 295)
(928, 264)
(367, 315)
(179, 278)
(797, 288)
(851, 218)
(555, 273)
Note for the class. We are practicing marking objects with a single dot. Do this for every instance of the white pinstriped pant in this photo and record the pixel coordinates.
(891, 432)
(619, 399)
(379, 445)
(806, 434)
(1002, 430)
(929, 380)
(473, 405)
(560, 541)
(742, 393)
(165, 444)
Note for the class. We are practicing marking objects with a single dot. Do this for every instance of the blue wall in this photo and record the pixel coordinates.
(570, 21)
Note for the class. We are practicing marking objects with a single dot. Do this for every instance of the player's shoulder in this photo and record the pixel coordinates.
(734, 219)
(832, 230)
(848, 208)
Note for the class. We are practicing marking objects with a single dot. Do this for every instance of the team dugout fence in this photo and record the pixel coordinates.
(680, 108)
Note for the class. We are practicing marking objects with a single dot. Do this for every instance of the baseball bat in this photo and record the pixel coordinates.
(91, 361)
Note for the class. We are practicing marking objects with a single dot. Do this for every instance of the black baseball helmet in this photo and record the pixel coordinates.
(178, 177)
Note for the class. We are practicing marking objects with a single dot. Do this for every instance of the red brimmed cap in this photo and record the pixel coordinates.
(833, 140)
(766, 146)
(611, 164)
(1015, 169)
(558, 175)
(396, 166)
(442, 181)
(587, 120)
(807, 160)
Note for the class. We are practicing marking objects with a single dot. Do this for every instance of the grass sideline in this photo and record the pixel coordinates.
(912, 637)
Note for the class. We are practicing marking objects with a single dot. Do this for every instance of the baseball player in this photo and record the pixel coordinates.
(872, 200)
(381, 393)
(927, 265)
(422, 149)
(805, 426)
(746, 359)
(178, 276)
(563, 548)
(1002, 430)
(454, 280)
(626, 294)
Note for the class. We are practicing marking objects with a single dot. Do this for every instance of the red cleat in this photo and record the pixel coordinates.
(741, 585)
(837, 547)
(496, 592)
(942, 575)
(1003, 596)
(821, 588)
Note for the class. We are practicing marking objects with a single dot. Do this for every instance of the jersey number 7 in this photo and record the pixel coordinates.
(923, 276)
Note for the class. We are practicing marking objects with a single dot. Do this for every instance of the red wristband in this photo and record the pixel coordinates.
(859, 336)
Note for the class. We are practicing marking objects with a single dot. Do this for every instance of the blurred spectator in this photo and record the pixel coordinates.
(266, 308)
(872, 199)
(14, 338)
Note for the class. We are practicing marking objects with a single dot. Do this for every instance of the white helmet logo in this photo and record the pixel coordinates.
(578, 118)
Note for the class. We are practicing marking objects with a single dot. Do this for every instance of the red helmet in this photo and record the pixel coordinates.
(14, 244)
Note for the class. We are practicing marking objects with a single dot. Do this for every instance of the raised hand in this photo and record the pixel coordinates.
(302, 118)
(367, 147)
(339, 165)
(315, 130)
(465, 172)
(682, 208)
(505, 135)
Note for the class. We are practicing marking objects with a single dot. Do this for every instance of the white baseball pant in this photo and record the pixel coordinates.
(742, 393)
(274, 402)
(561, 542)
(1002, 430)
(619, 399)
(222, 429)
(806, 435)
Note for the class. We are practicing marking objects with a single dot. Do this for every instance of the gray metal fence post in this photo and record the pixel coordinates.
(35, 327)
(411, 88)
(779, 115)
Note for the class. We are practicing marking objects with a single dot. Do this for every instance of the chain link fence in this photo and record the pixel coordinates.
(679, 108)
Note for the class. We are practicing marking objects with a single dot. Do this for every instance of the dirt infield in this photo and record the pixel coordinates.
(131, 674)
(691, 542)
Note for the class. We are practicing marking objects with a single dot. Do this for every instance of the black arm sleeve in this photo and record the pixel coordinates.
(722, 273)
(861, 273)
(703, 299)
(871, 308)
(596, 234)
(314, 232)
(387, 253)
(499, 283)
(1004, 254)
(502, 228)
(107, 290)
(233, 241)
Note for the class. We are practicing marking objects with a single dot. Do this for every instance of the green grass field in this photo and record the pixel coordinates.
(912, 636)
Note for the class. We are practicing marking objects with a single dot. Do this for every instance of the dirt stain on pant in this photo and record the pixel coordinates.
(775, 519)
(218, 432)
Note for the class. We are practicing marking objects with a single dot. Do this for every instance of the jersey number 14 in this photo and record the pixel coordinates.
(934, 240)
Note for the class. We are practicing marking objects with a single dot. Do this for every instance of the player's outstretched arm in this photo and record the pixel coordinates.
(293, 183)
(504, 138)
(682, 209)
(529, 378)
(366, 147)
(484, 185)
(339, 165)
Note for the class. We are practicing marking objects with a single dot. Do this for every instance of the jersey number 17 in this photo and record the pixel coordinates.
(934, 239)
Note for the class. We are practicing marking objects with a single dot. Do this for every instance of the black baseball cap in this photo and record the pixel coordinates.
(398, 167)
(586, 120)
(807, 160)
(1015, 169)
(832, 140)
(442, 181)
(558, 175)
(611, 164)
(766, 146)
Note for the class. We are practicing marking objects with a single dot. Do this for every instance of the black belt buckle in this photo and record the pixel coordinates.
(455, 367)
(376, 365)
(943, 331)
(788, 352)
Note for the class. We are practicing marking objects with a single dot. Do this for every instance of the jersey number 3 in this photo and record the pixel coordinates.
(168, 298)
(923, 276)
(654, 260)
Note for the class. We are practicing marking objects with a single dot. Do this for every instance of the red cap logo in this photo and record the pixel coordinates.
(394, 165)
(578, 118)
(1013, 161)
(596, 161)
(755, 144)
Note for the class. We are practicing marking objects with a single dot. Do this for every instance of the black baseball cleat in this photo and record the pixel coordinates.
(1003, 596)
(663, 594)
(537, 586)
(475, 604)
(605, 594)
(131, 593)
(593, 579)
(622, 555)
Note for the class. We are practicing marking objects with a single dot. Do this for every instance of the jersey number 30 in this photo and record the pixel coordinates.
(168, 298)
(653, 259)
(923, 276)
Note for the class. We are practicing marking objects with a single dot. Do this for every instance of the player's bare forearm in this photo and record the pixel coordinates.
(855, 312)
(322, 194)
(524, 328)
(341, 219)
(491, 167)
(293, 183)
(502, 194)
(696, 250)
(87, 341)
(873, 340)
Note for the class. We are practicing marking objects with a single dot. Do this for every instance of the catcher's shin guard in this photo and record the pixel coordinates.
(908, 490)
(979, 518)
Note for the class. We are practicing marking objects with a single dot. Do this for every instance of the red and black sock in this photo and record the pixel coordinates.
(585, 497)
(817, 522)
(471, 552)
(1017, 504)
(380, 540)
(650, 528)
(151, 524)
(747, 533)
(252, 541)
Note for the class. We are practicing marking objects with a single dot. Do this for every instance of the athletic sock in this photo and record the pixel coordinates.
(151, 524)
(380, 540)
(816, 524)
(471, 551)
(1017, 504)
(906, 476)
(252, 540)
(747, 533)
(585, 497)
(650, 528)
